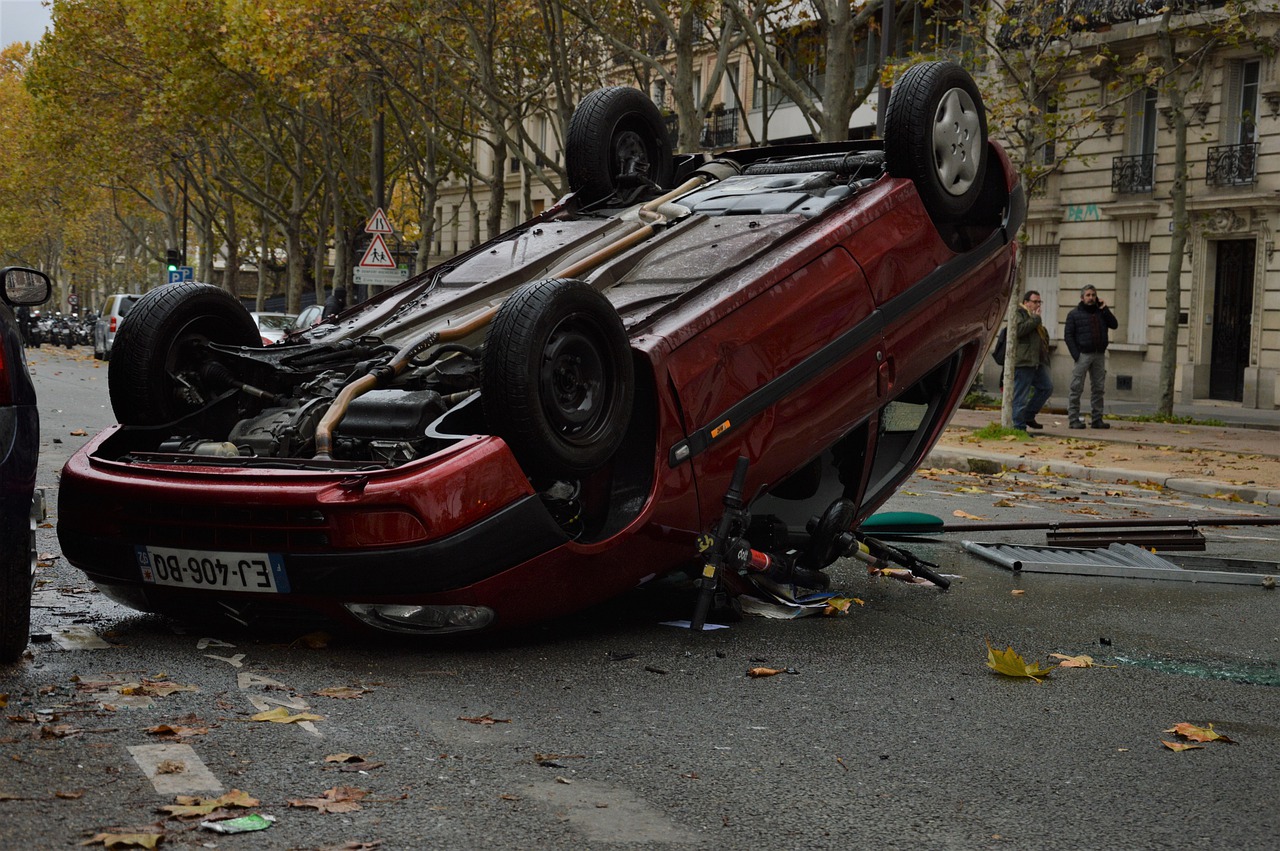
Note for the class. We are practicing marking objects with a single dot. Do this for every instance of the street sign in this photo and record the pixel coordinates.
(175, 276)
(362, 276)
(188, 273)
(377, 256)
(379, 223)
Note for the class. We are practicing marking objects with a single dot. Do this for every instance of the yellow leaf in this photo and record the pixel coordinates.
(967, 516)
(1199, 734)
(1180, 746)
(281, 716)
(968, 489)
(1072, 661)
(1009, 664)
(187, 806)
(838, 605)
(765, 672)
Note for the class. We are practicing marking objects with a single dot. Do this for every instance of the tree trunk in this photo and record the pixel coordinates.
(1180, 222)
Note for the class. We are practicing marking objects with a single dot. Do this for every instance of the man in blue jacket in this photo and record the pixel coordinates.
(1086, 338)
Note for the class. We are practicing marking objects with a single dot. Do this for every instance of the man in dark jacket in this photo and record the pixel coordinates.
(1086, 338)
(335, 303)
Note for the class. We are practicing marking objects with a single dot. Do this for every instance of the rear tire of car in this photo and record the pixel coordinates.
(557, 378)
(160, 339)
(613, 131)
(935, 133)
(17, 543)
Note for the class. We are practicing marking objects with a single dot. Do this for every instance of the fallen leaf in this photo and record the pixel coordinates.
(176, 731)
(315, 640)
(70, 796)
(125, 840)
(345, 692)
(1073, 661)
(344, 757)
(968, 489)
(485, 720)
(59, 731)
(188, 807)
(838, 605)
(79, 432)
(281, 715)
(1009, 664)
(154, 688)
(340, 799)
(1199, 734)
(1018, 592)
(765, 672)
(967, 516)
(1180, 746)
(4, 700)
(170, 766)
(1004, 503)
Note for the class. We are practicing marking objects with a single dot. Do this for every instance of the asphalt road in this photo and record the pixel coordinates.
(612, 730)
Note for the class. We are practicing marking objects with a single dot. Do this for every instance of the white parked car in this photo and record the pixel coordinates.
(113, 313)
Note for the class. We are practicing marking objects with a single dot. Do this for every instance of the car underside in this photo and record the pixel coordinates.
(589, 384)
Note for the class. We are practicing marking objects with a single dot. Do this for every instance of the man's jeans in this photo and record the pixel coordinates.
(1094, 364)
(1032, 387)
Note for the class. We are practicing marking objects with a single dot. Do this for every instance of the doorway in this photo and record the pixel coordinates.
(1232, 318)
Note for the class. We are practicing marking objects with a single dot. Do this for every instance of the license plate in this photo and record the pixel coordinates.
(261, 573)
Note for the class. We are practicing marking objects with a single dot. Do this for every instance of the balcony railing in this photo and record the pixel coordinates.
(1232, 165)
(720, 130)
(1133, 175)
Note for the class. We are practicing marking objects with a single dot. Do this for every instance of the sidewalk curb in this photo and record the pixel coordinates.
(972, 461)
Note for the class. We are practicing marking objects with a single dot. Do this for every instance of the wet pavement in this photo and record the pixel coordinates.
(1239, 461)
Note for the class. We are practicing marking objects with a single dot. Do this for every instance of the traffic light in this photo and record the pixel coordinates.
(173, 259)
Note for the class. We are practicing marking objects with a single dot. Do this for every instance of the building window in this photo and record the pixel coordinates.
(1133, 271)
(1235, 161)
(1042, 276)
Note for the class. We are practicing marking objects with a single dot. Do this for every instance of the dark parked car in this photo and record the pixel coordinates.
(20, 428)
(559, 414)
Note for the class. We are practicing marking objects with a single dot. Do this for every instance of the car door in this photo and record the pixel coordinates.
(778, 378)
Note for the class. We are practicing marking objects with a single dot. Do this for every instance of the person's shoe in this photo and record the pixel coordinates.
(1077, 425)
(1101, 424)
(1033, 424)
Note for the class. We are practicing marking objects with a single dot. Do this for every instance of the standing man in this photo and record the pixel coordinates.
(1032, 384)
(1086, 338)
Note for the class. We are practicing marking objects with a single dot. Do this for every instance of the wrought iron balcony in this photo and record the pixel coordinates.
(1133, 175)
(720, 130)
(1232, 165)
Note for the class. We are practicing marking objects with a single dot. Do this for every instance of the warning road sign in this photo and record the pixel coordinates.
(376, 256)
(379, 223)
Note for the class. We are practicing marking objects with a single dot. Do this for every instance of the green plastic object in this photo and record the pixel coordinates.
(901, 523)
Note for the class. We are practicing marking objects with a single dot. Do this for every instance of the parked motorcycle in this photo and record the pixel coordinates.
(62, 333)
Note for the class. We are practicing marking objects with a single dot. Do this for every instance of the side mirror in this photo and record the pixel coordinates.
(25, 286)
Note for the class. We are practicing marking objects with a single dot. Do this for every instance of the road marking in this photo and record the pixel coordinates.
(79, 638)
(174, 769)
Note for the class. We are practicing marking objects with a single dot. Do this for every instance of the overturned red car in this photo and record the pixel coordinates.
(555, 417)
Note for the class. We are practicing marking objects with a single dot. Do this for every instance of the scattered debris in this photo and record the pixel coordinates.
(243, 824)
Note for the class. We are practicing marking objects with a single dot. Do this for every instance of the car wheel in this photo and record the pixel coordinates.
(935, 133)
(616, 136)
(557, 378)
(156, 352)
(17, 543)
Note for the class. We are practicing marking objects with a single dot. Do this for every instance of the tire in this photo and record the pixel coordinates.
(936, 134)
(616, 137)
(17, 545)
(557, 378)
(160, 341)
